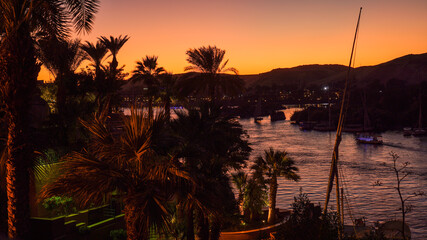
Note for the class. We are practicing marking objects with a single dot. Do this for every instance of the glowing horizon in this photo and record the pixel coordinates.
(259, 36)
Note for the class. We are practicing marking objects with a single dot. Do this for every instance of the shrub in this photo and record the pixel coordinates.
(306, 222)
(59, 206)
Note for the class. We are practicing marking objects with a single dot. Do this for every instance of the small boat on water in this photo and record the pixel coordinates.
(419, 132)
(369, 139)
(407, 131)
(257, 119)
(258, 112)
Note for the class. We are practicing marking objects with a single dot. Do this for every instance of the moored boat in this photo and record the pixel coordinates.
(407, 131)
(419, 132)
(369, 139)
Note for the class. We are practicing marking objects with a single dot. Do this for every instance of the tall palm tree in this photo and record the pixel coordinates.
(275, 164)
(149, 72)
(96, 54)
(114, 45)
(208, 74)
(136, 163)
(20, 20)
(62, 57)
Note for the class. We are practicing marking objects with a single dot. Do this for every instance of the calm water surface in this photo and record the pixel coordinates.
(361, 165)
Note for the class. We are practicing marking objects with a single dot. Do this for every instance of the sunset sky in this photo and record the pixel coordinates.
(259, 36)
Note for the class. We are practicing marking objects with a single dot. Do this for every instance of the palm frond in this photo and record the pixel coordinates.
(83, 13)
(50, 18)
(86, 178)
(114, 44)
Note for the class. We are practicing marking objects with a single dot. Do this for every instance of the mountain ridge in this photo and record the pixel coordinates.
(411, 68)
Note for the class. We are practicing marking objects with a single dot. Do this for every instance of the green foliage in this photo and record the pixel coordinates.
(255, 197)
(118, 234)
(48, 93)
(59, 205)
(306, 222)
(49, 156)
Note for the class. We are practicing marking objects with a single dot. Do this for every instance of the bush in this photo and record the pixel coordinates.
(59, 205)
(306, 222)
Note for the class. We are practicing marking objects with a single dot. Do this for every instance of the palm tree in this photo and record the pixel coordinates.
(240, 179)
(149, 72)
(208, 74)
(167, 91)
(210, 145)
(62, 57)
(255, 196)
(114, 45)
(20, 20)
(96, 53)
(275, 164)
(136, 163)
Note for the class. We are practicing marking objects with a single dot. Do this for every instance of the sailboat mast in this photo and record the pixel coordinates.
(333, 174)
(420, 121)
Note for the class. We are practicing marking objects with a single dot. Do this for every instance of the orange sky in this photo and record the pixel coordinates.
(259, 36)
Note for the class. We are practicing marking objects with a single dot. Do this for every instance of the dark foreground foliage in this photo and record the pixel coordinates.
(306, 223)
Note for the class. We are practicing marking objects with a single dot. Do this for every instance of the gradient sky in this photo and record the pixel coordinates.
(260, 35)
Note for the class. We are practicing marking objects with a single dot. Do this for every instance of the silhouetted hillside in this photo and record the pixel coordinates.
(410, 68)
(300, 76)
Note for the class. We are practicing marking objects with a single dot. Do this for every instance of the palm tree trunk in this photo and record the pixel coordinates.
(150, 107)
(203, 224)
(168, 109)
(17, 182)
(60, 96)
(18, 82)
(241, 204)
(113, 65)
(133, 230)
(215, 229)
(190, 225)
(272, 199)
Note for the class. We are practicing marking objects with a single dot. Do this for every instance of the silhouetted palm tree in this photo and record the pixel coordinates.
(62, 58)
(275, 164)
(167, 91)
(149, 72)
(96, 54)
(114, 45)
(20, 20)
(136, 163)
(208, 74)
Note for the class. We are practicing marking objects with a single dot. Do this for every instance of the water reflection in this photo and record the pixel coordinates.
(361, 165)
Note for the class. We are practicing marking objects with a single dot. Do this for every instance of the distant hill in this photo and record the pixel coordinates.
(410, 68)
(301, 75)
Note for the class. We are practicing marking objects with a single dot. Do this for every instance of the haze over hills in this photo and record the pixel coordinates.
(411, 68)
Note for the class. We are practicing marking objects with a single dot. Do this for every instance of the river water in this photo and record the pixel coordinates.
(361, 164)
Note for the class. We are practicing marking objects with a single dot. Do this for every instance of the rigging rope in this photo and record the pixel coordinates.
(346, 196)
